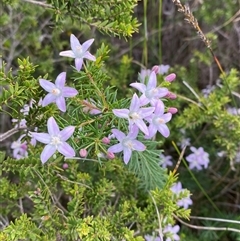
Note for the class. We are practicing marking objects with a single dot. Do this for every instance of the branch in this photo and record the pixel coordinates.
(42, 4)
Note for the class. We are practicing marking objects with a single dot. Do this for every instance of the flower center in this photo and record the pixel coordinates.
(134, 116)
(128, 143)
(55, 140)
(79, 51)
(56, 91)
(151, 93)
(158, 121)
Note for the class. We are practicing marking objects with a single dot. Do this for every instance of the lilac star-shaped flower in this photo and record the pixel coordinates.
(185, 202)
(172, 232)
(57, 91)
(19, 148)
(79, 51)
(55, 140)
(166, 161)
(151, 93)
(158, 121)
(135, 114)
(127, 144)
(177, 188)
(198, 159)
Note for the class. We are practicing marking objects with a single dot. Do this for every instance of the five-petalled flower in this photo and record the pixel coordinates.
(55, 140)
(79, 51)
(198, 159)
(158, 121)
(127, 144)
(135, 114)
(57, 91)
(151, 93)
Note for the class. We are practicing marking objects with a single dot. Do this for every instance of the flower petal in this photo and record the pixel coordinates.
(116, 148)
(61, 103)
(127, 152)
(122, 113)
(69, 92)
(47, 85)
(52, 126)
(66, 133)
(152, 82)
(78, 63)
(135, 103)
(143, 100)
(118, 134)
(89, 56)
(167, 117)
(60, 81)
(146, 111)
(152, 130)
(74, 43)
(133, 132)
(162, 92)
(163, 129)
(41, 137)
(66, 150)
(47, 152)
(87, 44)
(138, 146)
(159, 108)
(67, 53)
(49, 98)
(139, 86)
(142, 126)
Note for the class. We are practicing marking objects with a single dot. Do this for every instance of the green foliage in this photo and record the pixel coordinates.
(211, 112)
(111, 17)
(74, 204)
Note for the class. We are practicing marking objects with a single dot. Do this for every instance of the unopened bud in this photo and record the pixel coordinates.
(171, 96)
(155, 68)
(172, 110)
(65, 166)
(170, 77)
(83, 153)
(24, 146)
(110, 155)
(105, 140)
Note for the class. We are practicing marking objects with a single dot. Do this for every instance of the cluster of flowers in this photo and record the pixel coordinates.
(146, 113)
(137, 114)
(55, 139)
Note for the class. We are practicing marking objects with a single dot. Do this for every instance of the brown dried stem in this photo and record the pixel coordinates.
(194, 23)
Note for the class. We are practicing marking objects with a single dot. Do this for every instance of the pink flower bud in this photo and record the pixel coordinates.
(172, 110)
(155, 68)
(65, 166)
(105, 140)
(83, 153)
(24, 146)
(110, 155)
(171, 96)
(170, 78)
